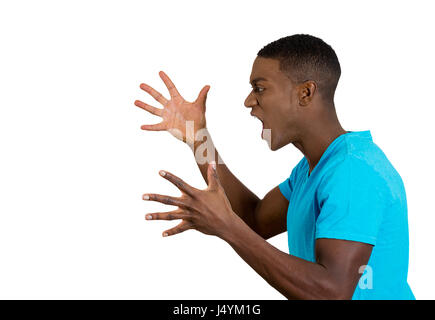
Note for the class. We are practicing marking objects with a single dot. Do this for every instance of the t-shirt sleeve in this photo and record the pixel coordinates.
(352, 200)
(286, 187)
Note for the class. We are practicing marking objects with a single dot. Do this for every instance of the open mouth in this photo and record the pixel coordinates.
(262, 131)
(257, 118)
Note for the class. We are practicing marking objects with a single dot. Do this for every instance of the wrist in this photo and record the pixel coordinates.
(233, 230)
(199, 138)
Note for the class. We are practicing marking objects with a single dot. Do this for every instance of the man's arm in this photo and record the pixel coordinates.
(271, 214)
(266, 216)
(334, 275)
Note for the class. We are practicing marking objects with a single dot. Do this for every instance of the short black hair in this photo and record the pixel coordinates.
(304, 57)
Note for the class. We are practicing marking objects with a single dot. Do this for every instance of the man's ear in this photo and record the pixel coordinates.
(306, 91)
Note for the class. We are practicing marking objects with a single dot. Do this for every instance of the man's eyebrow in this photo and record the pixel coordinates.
(257, 79)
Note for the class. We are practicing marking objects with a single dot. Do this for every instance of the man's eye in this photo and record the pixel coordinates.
(258, 89)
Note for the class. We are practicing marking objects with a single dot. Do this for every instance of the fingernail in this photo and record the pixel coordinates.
(162, 173)
(149, 217)
(146, 197)
(165, 234)
(213, 164)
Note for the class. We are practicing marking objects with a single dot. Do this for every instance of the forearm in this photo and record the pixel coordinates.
(243, 201)
(295, 278)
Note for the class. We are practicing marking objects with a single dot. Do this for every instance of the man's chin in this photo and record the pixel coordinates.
(273, 143)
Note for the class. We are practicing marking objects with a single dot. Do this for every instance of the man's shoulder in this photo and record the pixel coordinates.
(369, 170)
(360, 152)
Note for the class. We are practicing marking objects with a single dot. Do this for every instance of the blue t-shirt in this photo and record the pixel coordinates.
(353, 193)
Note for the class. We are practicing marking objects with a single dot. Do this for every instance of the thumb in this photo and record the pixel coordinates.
(212, 176)
(202, 97)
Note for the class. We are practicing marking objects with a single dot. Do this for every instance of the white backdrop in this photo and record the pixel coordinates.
(74, 162)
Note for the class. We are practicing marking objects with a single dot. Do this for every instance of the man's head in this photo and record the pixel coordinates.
(294, 80)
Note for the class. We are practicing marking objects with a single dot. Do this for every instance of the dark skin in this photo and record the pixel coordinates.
(295, 113)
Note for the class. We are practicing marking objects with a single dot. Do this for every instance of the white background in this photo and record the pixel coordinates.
(74, 162)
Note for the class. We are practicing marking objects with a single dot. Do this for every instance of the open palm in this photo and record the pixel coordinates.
(176, 112)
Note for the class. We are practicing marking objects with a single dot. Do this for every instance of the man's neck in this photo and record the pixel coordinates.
(313, 144)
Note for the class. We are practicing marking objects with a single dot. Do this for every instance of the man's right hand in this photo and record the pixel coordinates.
(176, 112)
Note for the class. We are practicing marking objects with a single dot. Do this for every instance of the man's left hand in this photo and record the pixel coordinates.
(208, 210)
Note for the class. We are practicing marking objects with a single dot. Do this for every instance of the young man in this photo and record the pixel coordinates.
(344, 205)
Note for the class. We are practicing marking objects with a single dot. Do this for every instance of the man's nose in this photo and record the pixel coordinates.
(250, 101)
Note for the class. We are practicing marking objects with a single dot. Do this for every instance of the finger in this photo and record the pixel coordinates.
(212, 177)
(173, 201)
(154, 127)
(183, 226)
(150, 109)
(178, 182)
(202, 97)
(171, 215)
(170, 85)
(154, 93)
